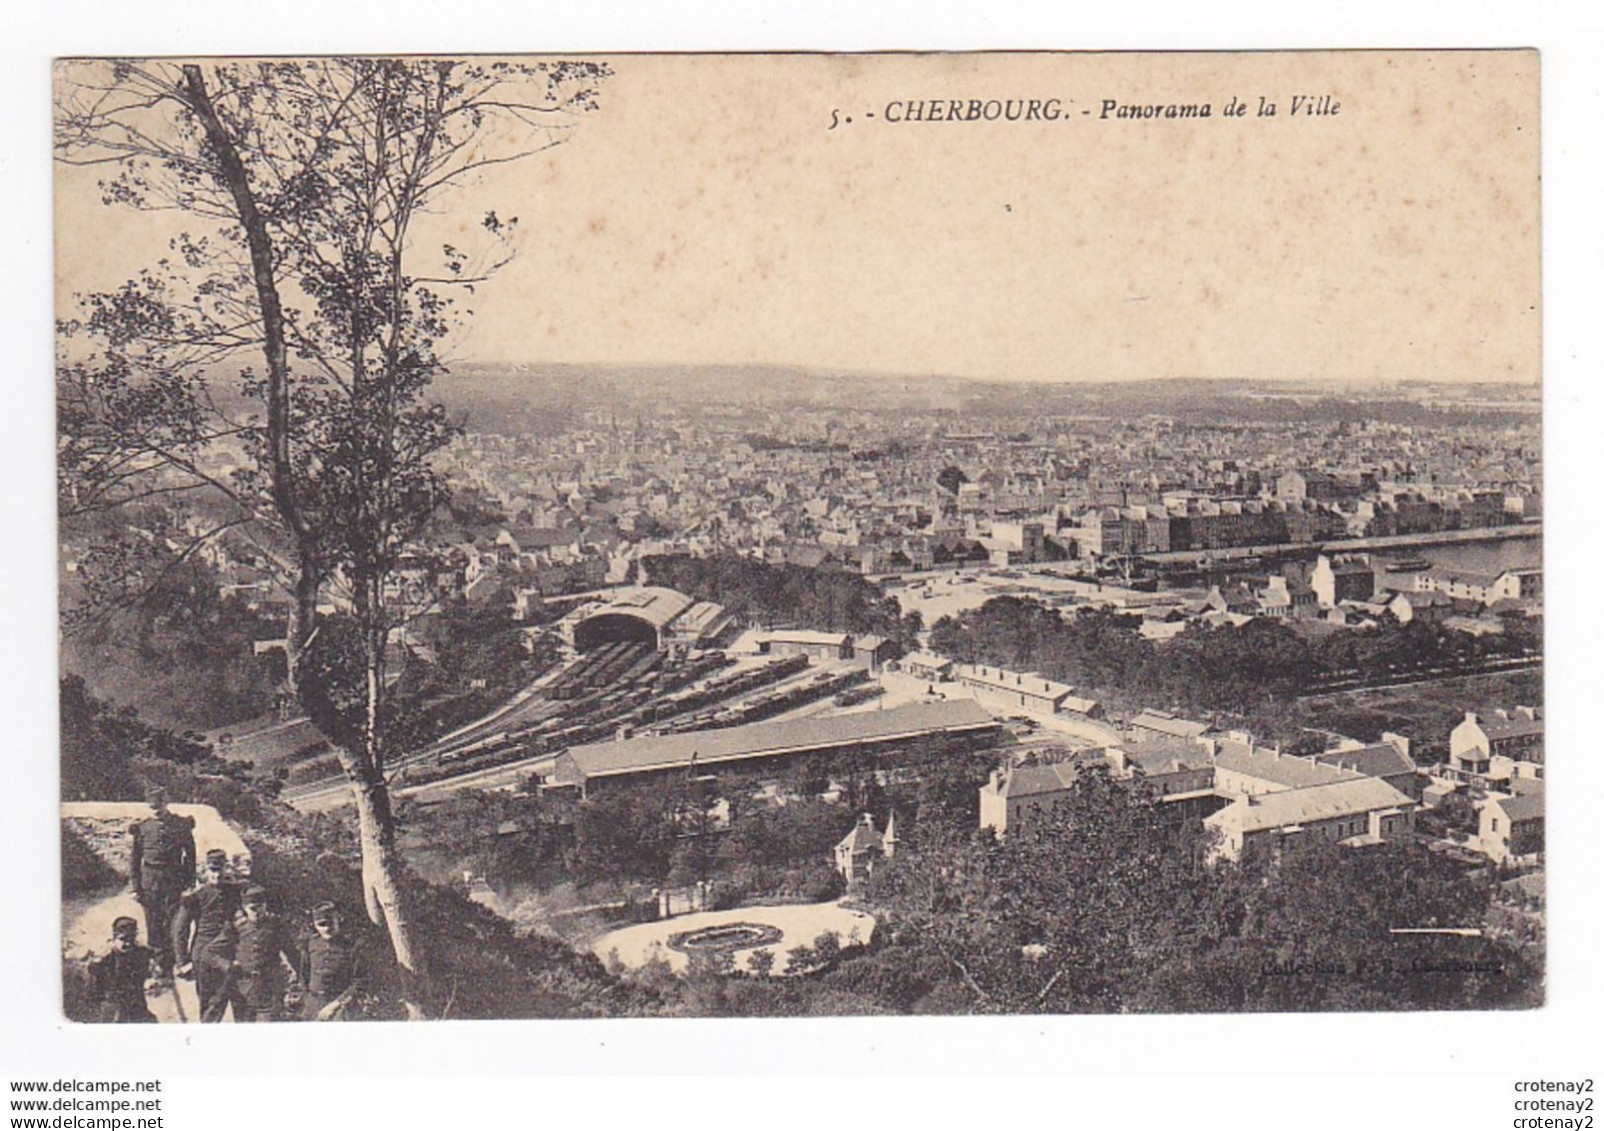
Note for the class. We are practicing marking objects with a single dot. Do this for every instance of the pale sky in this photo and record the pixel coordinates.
(708, 214)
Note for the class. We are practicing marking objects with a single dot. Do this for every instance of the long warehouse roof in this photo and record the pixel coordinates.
(669, 751)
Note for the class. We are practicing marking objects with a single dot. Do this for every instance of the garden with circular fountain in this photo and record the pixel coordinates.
(727, 936)
(736, 932)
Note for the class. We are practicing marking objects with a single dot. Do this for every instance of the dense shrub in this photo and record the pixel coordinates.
(83, 872)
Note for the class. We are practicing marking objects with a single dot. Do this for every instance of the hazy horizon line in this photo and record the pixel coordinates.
(802, 369)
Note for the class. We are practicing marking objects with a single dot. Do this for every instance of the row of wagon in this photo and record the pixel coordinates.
(598, 693)
(772, 703)
(625, 687)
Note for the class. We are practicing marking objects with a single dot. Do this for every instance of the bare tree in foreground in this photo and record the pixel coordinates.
(297, 323)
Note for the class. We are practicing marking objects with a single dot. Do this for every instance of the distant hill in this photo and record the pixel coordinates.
(540, 394)
(541, 399)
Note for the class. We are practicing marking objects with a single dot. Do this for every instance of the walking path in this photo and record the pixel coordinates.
(104, 827)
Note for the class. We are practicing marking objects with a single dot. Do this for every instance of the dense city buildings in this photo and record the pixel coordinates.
(920, 628)
(787, 587)
(884, 494)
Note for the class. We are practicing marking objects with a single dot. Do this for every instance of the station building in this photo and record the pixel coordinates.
(650, 615)
(768, 744)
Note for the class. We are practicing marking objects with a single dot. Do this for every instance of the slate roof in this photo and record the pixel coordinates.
(1468, 576)
(671, 751)
(1428, 600)
(807, 636)
(1165, 756)
(1515, 726)
(1378, 761)
(1285, 770)
(1315, 803)
(1522, 807)
(1001, 679)
(1169, 724)
(1032, 781)
(862, 838)
(650, 603)
(699, 617)
(531, 538)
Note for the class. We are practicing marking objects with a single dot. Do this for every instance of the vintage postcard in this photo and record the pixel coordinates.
(799, 534)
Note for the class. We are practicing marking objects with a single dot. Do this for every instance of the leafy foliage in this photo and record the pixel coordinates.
(951, 478)
(762, 593)
(100, 743)
(304, 182)
(83, 873)
(175, 649)
(1106, 907)
(1205, 669)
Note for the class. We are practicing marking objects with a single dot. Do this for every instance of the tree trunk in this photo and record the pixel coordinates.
(381, 868)
(302, 622)
(231, 170)
(381, 864)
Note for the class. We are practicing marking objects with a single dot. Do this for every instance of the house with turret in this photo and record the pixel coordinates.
(864, 847)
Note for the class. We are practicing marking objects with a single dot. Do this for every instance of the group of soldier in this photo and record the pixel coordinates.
(222, 933)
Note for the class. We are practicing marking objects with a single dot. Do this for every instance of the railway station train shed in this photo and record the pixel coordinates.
(600, 764)
(649, 615)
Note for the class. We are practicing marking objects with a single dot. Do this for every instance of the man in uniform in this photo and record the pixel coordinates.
(117, 980)
(252, 957)
(205, 916)
(162, 867)
(332, 968)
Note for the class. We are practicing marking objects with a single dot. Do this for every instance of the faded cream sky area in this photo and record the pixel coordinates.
(708, 214)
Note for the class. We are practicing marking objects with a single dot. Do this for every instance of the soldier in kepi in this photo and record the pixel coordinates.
(117, 980)
(332, 968)
(253, 957)
(162, 868)
(204, 922)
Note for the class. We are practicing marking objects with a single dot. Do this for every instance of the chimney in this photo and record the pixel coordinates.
(1397, 741)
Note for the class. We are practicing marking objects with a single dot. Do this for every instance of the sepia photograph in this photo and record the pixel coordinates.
(785, 535)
